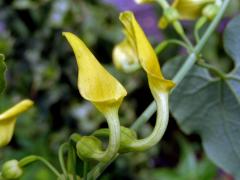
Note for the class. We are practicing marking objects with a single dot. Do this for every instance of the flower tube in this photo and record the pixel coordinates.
(160, 87)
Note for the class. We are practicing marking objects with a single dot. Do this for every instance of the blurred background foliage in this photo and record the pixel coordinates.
(41, 66)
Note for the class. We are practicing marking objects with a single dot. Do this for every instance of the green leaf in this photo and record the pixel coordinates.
(2, 73)
(210, 106)
(190, 167)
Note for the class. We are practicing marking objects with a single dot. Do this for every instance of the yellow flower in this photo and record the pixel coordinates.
(145, 52)
(124, 58)
(8, 120)
(94, 82)
(187, 10)
(143, 1)
(190, 9)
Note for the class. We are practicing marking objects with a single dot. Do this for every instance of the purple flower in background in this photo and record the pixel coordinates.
(144, 14)
(2, 27)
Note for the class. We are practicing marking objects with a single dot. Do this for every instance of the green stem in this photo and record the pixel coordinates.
(96, 172)
(71, 161)
(185, 67)
(2, 56)
(62, 148)
(114, 137)
(163, 3)
(179, 29)
(98, 169)
(199, 24)
(161, 99)
(85, 170)
(177, 25)
(29, 159)
(212, 69)
(75, 137)
(160, 47)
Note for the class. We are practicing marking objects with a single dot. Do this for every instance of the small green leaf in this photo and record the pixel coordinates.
(210, 106)
(2, 73)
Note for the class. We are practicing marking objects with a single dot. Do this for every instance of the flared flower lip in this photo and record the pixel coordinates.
(94, 82)
(16, 110)
(146, 54)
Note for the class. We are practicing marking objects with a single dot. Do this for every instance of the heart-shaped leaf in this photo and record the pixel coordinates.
(210, 106)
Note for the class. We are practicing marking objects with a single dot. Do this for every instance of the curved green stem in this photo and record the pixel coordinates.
(212, 69)
(29, 159)
(160, 47)
(185, 67)
(161, 99)
(178, 78)
(71, 160)
(179, 29)
(114, 137)
(199, 24)
(176, 24)
(62, 148)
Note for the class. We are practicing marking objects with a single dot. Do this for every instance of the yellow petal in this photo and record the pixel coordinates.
(143, 1)
(162, 23)
(8, 120)
(190, 9)
(6, 131)
(145, 52)
(124, 58)
(94, 82)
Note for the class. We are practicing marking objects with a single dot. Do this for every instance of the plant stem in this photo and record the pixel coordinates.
(96, 172)
(114, 136)
(150, 110)
(85, 170)
(213, 69)
(71, 160)
(29, 159)
(161, 99)
(160, 47)
(163, 3)
(98, 169)
(62, 148)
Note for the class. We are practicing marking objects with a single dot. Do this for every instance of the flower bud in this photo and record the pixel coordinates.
(88, 147)
(127, 137)
(124, 58)
(171, 14)
(11, 170)
(210, 11)
(190, 9)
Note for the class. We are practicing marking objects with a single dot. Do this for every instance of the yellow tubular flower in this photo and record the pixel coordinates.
(94, 82)
(159, 86)
(8, 120)
(103, 90)
(190, 9)
(124, 58)
(145, 52)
